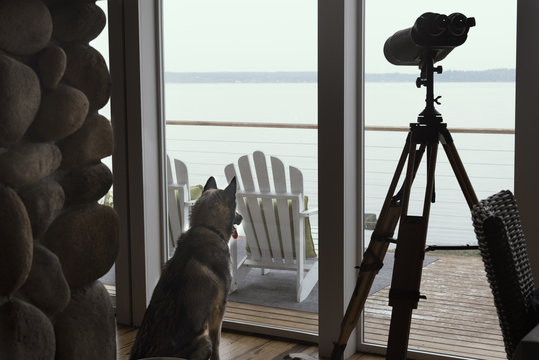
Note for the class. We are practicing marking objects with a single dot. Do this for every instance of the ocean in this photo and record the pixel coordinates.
(488, 158)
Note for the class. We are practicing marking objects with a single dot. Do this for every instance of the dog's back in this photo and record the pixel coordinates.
(185, 313)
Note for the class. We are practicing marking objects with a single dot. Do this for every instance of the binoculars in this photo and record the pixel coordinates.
(433, 35)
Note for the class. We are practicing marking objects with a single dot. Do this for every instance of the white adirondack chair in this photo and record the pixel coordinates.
(267, 211)
(179, 199)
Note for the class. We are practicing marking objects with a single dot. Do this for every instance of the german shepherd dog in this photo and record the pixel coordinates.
(186, 310)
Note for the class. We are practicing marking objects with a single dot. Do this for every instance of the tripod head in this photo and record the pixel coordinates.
(429, 115)
(432, 37)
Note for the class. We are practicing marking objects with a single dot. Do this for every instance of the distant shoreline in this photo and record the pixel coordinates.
(494, 75)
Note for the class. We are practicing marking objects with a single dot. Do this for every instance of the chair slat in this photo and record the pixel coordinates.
(296, 187)
(182, 178)
(283, 209)
(285, 227)
(261, 168)
(258, 225)
(296, 181)
(175, 225)
(279, 176)
(253, 208)
(230, 172)
(246, 173)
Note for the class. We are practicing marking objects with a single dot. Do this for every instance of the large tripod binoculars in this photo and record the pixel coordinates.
(424, 136)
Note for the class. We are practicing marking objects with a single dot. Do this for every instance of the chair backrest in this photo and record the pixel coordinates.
(271, 209)
(178, 197)
(503, 249)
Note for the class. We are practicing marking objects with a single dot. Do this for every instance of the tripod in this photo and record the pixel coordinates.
(404, 295)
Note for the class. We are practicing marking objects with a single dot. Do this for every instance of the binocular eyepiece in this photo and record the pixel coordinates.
(434, 35)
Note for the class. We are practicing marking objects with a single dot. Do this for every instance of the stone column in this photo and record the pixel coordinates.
(56, 241)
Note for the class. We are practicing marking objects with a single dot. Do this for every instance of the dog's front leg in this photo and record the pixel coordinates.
(215, 336)
(216, 323)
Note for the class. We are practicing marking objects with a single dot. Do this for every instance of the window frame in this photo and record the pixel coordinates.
(138, 160)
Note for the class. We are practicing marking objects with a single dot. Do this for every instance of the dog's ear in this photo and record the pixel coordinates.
(230, 190)
(210, 184)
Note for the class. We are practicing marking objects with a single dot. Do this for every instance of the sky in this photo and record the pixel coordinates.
(281, 35)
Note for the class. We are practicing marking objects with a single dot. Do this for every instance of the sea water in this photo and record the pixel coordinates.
(488, 158)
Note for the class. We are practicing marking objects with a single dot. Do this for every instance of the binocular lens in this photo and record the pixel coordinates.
(457, 24)
(431, 24)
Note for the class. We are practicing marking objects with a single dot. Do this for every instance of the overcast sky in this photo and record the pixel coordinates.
(281, 35)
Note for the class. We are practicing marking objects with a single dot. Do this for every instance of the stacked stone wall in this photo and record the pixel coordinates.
(56, 240)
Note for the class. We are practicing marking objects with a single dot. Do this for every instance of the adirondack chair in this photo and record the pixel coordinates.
(273, 220)
(179, 199)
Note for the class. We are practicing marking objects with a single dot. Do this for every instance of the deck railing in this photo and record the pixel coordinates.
(487, 153)
(315, 126)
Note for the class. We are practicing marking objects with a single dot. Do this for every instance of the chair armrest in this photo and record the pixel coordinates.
(309, 212)
(183, 187)
(176, 186)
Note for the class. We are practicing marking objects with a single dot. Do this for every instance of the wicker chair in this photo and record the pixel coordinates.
(503, 249)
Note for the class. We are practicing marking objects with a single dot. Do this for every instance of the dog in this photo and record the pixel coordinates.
(186, 310)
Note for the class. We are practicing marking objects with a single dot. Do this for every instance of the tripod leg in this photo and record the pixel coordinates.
(460, 174)
(373, 257)
(404, 294)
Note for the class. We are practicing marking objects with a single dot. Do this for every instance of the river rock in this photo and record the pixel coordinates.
(20, 97)
(46, 286)
(51, 66)
(62, 112)
(26, 163)
(25, 26)
(86, 242)
(16, 242)
(86, 329)
(43, 200)
(91, 143)
(81, 22)
(25, 332)
(87, 71)
(86, 184)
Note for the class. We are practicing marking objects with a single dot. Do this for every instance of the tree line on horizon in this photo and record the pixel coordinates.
(494, 75)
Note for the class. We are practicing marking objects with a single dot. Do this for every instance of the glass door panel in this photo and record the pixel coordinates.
(241, 76)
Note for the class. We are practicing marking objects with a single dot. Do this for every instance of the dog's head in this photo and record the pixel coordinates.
(216, 208)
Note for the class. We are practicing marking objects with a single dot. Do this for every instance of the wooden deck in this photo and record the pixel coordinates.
(458, 317)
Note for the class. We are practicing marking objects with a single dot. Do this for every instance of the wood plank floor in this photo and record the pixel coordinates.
(458, 317)
(241, 346)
